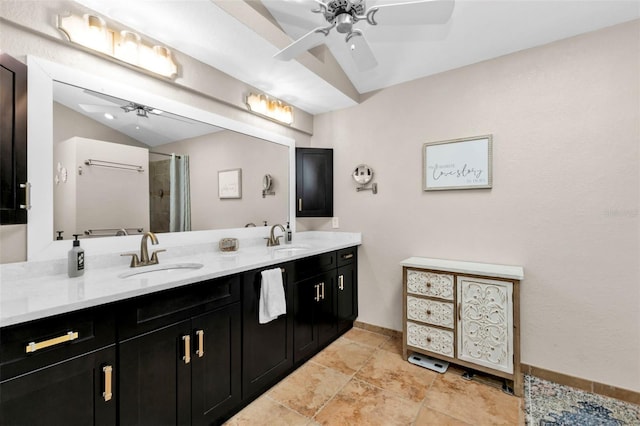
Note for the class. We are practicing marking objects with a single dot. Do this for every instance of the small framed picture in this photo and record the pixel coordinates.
(230, 183)
(457, 164)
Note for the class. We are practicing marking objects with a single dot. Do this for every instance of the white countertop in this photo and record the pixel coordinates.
(472, 268)
(28, 292)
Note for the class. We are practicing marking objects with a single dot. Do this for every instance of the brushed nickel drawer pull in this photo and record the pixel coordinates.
(317, 297)
(107, 394)
(27, 196)
(33, 346)
(299, 204)
(341, 282)
(187, 349)
(200, 351)
(347, 256)
(322, 293)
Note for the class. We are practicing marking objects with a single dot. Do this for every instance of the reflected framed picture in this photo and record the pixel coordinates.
(230, 183)
(457, 164)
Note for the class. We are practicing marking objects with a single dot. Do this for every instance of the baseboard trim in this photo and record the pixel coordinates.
(582, 384)
(376, 329)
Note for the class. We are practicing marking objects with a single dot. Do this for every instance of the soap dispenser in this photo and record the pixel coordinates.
(76, 259)
(289, 236)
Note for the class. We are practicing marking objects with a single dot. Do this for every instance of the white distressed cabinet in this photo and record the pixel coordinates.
(465, 313)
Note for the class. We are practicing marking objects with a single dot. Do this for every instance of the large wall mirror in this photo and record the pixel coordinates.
(121, 161)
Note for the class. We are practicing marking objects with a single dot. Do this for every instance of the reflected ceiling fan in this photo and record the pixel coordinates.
(343, 14)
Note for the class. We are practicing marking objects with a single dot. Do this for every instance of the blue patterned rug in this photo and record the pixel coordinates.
(550, 404)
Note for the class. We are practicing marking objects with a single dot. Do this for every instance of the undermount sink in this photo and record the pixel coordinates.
(161, 270)
(291, 249)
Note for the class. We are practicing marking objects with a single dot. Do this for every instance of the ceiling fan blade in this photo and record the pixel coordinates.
(100, 108)
(411, 13)
(361, 51)
(308, 41)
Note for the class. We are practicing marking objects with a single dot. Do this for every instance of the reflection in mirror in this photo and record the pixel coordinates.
(123, 168)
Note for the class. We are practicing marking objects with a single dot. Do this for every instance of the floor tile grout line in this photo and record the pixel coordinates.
(286, 406)
(353, 376)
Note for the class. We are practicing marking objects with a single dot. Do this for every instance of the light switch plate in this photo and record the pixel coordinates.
(335, 222)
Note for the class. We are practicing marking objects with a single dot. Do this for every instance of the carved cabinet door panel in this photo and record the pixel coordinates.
(485, 322)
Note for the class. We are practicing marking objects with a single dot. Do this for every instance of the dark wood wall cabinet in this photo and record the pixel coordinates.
(14, 189)
(314, 182)
(193, 355)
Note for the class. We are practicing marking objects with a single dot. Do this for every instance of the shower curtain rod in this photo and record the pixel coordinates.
(162, 153)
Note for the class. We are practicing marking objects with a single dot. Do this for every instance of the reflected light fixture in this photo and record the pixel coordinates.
(274, 109)
(94, 33)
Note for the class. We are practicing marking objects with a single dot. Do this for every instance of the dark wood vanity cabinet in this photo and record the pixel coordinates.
(13, 141)
(182, 363)
(347, 288)
(314, 182)
(190, 355)
(59, 371)
(267, 348)
(325, 304)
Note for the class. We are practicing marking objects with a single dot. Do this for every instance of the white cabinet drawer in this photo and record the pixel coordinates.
(430, 311)
(430, 339)
(430, 284)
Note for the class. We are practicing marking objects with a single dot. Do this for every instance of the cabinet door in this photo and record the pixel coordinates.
(347, 297)
(267, 348)
(215, 374)
(155, 377)
(72, 392)
(314, 182)
(13, 140)
(326, 317)
(485, 323)
(312, 315)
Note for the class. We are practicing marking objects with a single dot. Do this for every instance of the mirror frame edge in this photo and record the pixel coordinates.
(41, 75)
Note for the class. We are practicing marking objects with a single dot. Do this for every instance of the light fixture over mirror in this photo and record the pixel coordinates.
(94, 33)
(274, 109)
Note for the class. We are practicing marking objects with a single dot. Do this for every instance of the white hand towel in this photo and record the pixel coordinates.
(272, 301)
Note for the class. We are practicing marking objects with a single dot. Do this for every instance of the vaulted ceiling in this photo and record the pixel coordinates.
(240, 38)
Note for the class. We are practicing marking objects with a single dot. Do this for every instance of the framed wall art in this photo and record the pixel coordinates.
(457, 164)
(230, 183)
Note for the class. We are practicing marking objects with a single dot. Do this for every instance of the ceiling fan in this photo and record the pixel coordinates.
(343, 14)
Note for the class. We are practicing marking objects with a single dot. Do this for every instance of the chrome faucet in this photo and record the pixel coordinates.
(273, 240)
(144, 252)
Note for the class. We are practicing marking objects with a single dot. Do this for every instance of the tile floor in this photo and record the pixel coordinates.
(362, 379)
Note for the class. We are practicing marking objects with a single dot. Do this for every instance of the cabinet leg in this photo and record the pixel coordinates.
(468, 375)
(506, 388)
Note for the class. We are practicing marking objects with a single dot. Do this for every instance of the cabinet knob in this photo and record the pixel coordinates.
(428, 339)
(428, 285)
(428, 312)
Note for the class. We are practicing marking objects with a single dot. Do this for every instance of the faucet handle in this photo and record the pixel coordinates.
(154, 256)
(134, 259)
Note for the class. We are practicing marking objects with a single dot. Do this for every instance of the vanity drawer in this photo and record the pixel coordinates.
(157, 310)
(430, 284)
(32, 345)
(313, 265)
(430, 311)
(431, 339)
(347, 256)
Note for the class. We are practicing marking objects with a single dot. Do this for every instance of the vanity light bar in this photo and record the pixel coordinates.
(272, 108)
(92, 32)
